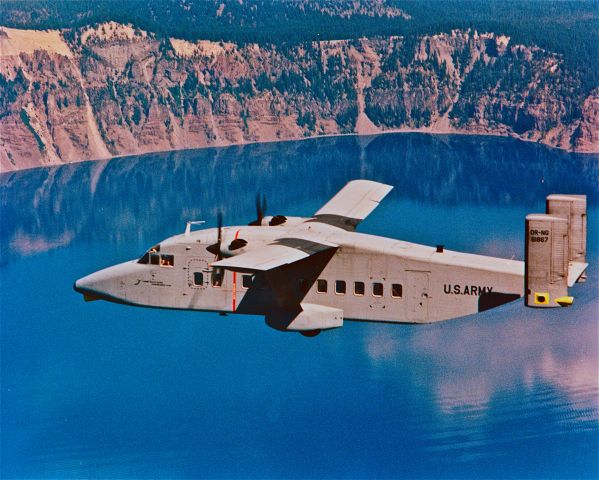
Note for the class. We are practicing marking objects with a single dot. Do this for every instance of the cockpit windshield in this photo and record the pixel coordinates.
(153, 257)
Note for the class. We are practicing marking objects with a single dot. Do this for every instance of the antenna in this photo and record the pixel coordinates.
(190, 223)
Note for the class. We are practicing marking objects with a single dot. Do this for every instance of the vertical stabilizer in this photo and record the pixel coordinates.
(556, 247)
(574, 209)
(547, 251)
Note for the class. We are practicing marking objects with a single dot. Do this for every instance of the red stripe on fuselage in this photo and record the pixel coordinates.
(235, 280)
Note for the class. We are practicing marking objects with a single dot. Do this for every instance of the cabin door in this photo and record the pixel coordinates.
(417, 296)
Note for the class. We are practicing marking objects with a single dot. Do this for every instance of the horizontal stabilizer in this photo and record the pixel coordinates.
(575, 270)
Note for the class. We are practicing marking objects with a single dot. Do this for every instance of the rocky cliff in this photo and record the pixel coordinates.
(112, 89)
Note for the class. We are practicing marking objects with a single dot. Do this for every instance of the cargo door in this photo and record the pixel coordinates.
(417, 296)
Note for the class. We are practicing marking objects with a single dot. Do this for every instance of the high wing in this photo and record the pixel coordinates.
(283, 259)
(282, 251)
(278, 261)
(352, 204)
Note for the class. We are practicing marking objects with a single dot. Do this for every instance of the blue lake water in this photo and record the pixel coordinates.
(103, 390)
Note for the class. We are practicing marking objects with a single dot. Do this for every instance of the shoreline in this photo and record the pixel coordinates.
(425, 130)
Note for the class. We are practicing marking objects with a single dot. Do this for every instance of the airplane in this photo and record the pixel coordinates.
(309, 274)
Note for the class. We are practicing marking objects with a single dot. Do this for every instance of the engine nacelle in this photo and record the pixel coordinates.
(273, 221)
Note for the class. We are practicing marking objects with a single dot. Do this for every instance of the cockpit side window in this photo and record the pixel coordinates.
(167, 260)
(155, 259)
(145, 258)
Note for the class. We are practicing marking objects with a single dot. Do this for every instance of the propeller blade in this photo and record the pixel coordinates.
(215, 249)
(219, 225)
(263, 206)
(260, 210)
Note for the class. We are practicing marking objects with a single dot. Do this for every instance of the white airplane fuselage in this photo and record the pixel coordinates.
(385, 280)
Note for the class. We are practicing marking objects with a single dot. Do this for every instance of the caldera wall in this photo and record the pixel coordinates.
(112, 89)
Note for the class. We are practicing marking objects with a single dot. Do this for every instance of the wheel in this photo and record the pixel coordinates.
(310, 333)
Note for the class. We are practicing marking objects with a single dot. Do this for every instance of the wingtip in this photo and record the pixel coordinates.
(370, 182)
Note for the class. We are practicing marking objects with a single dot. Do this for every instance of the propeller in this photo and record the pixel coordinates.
(260, 210)
(215, 247)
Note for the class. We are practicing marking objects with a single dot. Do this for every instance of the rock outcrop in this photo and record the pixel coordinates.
(115, 90)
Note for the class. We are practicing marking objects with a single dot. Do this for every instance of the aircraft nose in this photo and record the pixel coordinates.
(104, 284)
(85, 286)
(80, 285)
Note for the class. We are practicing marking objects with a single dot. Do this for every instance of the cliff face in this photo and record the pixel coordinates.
(115, 90)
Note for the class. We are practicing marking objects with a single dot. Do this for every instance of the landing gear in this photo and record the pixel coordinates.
(310, 333)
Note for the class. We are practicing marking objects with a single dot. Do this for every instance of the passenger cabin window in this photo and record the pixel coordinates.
(217, 277)
(246, 281)
(198, 278)
(359, 288)
(321, 286)
(396, 290)
(340, 287)
(377, 289)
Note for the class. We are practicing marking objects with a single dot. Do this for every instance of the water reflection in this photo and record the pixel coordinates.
(107, 391)
(152, 195)
(476, 367)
